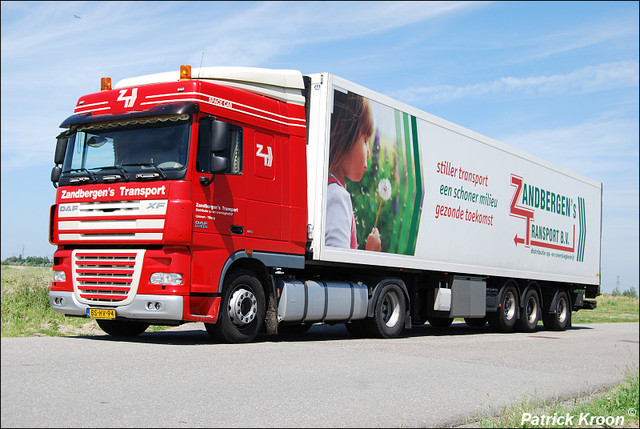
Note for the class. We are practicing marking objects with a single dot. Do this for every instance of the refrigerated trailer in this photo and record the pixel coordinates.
(259, 201)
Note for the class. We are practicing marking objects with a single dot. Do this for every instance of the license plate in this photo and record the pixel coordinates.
(101, 313)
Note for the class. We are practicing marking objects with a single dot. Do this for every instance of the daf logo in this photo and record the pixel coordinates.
(201, 224)
(69, 208)
(153, 206)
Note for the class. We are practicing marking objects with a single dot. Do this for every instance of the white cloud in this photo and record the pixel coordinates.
(254, 35)
(604, 150)
(53, 52)
(619, 74)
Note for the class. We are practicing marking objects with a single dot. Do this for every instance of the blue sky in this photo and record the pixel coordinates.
(558, 80)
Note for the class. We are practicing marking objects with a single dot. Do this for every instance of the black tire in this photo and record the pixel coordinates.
(389, 313)
(122, 328)
(356, 328)
(299, 329)
(530, 314)
(242, 309)
(559, 318)
(504, 320)
(476, 322)
(440, 322)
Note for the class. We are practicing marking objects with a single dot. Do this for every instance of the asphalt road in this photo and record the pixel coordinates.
(179, 378)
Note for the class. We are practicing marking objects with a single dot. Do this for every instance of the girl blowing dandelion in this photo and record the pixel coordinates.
(351, 129)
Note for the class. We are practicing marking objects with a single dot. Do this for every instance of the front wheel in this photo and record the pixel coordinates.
(122, 328)
(242, 309)
(389, 313)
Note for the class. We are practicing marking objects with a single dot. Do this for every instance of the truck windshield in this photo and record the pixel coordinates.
(130, 150)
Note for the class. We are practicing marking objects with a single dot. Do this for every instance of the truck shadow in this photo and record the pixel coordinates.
(195, 334)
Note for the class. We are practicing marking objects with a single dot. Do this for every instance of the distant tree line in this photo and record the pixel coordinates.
(29, 261)
(631, 292)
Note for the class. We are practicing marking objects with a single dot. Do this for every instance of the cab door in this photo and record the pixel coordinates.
(219, 206)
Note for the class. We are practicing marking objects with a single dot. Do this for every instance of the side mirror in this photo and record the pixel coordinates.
(61, 147)
(55, 174)
(219, 164)
(220, 136)
(220, 140)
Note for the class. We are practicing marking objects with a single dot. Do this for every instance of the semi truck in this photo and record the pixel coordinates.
(259, 201)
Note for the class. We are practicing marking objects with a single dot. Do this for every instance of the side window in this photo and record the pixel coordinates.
(233, 153)
(203, 158)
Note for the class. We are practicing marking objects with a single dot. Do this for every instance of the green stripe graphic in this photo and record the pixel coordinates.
(410, 178)
(582, 215)
(417, 208)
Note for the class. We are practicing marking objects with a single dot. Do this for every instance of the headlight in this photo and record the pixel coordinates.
(59, 276)
(172, 279)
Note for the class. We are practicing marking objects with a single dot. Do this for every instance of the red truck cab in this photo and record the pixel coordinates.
(164, 185)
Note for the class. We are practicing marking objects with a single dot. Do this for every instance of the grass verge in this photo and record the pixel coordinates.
(613, 407)
(26, 311)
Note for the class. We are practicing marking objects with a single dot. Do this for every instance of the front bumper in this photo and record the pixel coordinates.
(143, 307)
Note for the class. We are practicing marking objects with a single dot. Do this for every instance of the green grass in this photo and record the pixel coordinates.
(25, 305)
(619, 403)
(610, 309)
(26, 311)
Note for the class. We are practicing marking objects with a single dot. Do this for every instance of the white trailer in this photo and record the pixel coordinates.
(468, 226)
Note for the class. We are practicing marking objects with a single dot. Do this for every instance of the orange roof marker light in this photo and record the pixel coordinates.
(185, 72)
(105, 84)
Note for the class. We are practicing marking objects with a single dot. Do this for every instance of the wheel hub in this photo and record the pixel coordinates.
(509, 306)
(532, 310)
(243, 307)
(391, 309)
(562, 311)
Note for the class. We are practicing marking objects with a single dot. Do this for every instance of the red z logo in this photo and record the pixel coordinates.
(520, 212)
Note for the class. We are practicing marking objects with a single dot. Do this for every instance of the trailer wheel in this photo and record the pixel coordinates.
(389, 313)
(560, 317)
(441, 322)
(504, 320)
(122, 328)
(242, 309)
(475, 322)
(531, 314)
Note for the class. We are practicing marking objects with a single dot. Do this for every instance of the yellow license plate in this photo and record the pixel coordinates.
(101, 313)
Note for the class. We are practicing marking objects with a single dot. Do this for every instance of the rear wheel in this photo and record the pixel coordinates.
(242, 309)
(531, 314)
(559, 318)
(122, 328)
(389, 313)
(504, 320)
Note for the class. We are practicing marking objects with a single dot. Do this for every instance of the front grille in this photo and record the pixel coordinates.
(106, 277)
